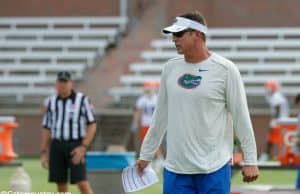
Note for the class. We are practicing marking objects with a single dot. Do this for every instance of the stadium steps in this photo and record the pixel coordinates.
(261, 54)
(116, 63)
(34, 49)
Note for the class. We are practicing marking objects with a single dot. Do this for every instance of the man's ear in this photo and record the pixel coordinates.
(199, 34)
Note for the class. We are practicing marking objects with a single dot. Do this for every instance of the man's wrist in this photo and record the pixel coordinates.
(145, 158)
(84, 145)
(43, 151)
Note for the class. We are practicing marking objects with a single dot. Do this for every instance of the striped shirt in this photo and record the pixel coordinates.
(67, 118)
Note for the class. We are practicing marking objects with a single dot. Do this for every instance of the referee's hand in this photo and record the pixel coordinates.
(141, 165)
(45, 160)
(78, 154)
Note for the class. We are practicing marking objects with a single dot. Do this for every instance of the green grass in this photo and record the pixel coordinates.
(39, 178)
(270, 177)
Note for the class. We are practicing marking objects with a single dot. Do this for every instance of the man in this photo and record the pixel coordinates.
(199, 94)
(69, 127)
(279, 107)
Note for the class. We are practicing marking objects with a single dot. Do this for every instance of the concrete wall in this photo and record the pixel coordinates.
(58, 7)
(228, 13)
(112, 129)
(70, 7)
(217, 12)
(27, 137)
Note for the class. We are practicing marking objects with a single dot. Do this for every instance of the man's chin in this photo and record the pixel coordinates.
(179, 52)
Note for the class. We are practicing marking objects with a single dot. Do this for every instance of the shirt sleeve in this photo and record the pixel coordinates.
(89, 110)
(158, 125)
(47, 122)
(46, 101)
(237, 105)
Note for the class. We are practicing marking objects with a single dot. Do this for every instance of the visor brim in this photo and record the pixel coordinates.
(173, 29)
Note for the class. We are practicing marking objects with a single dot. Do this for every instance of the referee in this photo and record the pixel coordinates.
(69, 127)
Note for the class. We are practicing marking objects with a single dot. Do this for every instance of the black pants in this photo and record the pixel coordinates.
(60, 163)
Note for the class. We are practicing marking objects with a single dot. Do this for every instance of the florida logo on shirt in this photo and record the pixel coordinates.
(189, 81)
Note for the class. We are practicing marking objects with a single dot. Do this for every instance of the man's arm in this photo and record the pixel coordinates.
(46, 136)
(277, 111)
(90, 134)
(237, 105)
(274, 117)
(79, 152)
(157, 128)
(91, 122)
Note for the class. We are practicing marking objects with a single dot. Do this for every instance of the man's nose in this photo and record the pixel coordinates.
(174, 38)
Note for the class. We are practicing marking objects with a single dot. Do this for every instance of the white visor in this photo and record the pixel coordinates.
(181, 24)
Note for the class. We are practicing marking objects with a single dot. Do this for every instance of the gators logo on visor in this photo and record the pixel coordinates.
(189, 81)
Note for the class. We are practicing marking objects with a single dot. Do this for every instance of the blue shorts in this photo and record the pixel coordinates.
(298, 179)
(214, 183)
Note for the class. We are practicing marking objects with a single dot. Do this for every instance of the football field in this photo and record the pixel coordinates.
(278, 178)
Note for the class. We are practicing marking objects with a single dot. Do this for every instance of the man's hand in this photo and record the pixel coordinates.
(78, 154)
(141, 165)
(45, 160)
(250, 173)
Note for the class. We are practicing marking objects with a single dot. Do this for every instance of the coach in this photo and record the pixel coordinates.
(201, 100)
(69, 127)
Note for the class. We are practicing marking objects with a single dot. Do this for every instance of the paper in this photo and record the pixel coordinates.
(132, 181)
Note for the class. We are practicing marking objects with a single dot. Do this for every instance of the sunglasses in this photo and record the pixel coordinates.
(181, 33)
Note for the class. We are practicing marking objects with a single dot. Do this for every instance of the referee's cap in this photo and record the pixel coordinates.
(64, 76)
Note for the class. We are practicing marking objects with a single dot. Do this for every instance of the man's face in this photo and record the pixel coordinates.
(148, 90)
(269, 91)
(63, 87)
(184, 40)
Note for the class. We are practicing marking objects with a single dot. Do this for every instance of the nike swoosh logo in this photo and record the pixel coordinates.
(200, 70)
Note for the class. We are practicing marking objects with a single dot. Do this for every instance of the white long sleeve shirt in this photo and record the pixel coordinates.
(199, 105)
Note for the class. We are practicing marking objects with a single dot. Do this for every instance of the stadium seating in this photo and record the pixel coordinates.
(34, 49)
(260, 54)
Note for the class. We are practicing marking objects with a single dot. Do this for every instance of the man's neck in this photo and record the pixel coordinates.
(197, 55)
(65, 95)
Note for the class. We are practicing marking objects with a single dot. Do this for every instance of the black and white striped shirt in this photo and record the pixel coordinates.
(67, 118)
